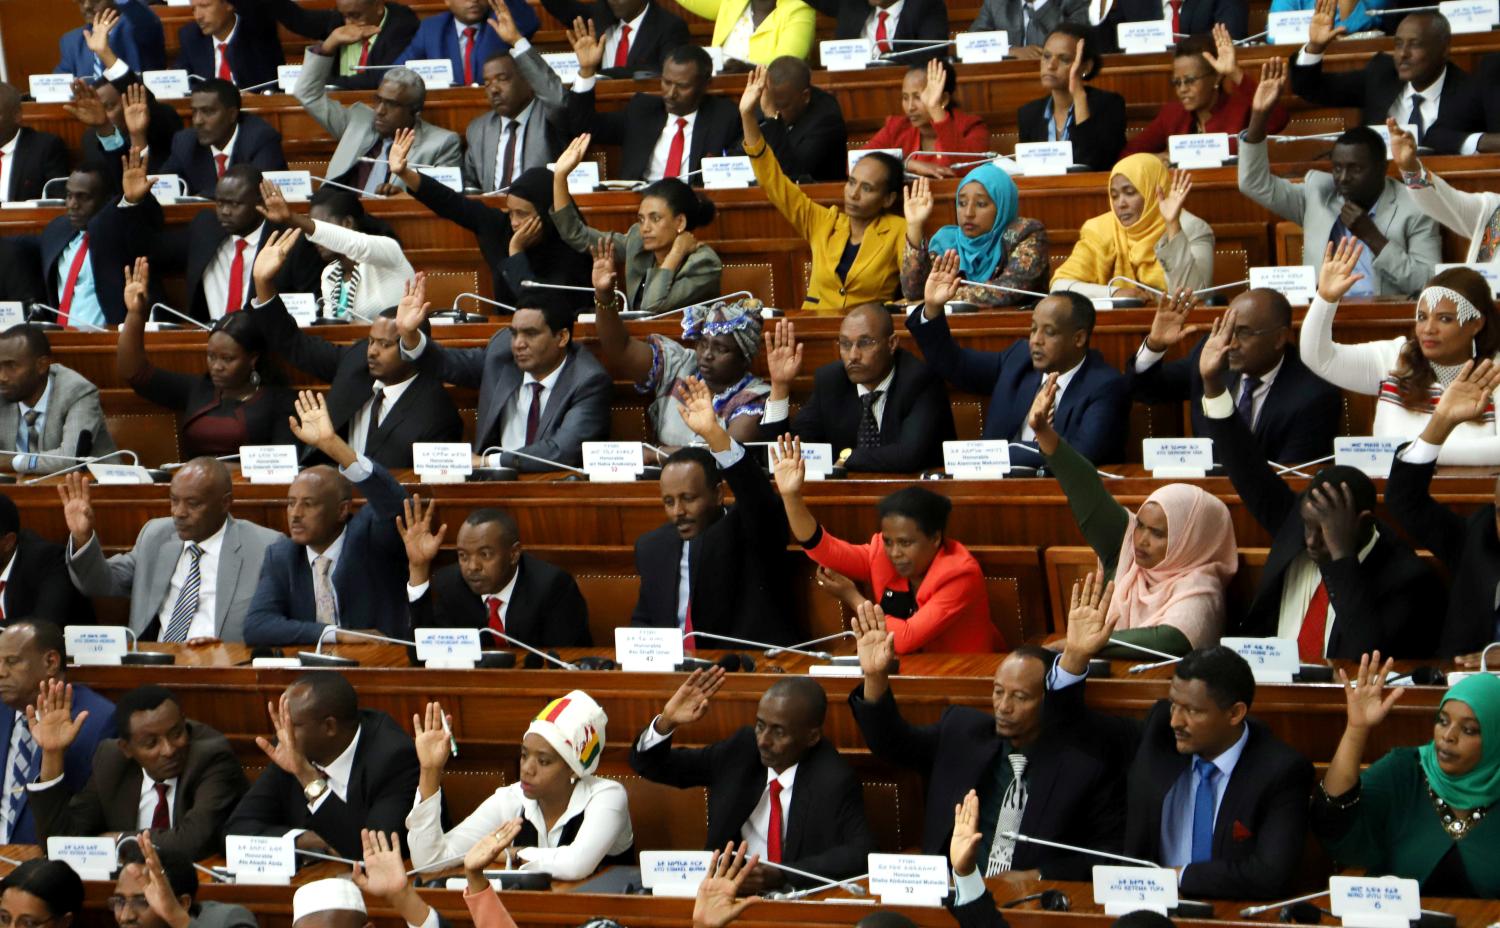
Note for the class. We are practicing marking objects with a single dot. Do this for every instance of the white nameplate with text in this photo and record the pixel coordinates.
(295, 186)
(119, 473)
(1127, 889)
(96, 644)
(613, 461)
(1470, 15)
(1374, 902)
(1489, 270)
(1044, 159)
(260, 860)
(1178, 457)
(90, 858)
(648, 650)
(976, 459)
(844, 54)
(1369, 453)
(1297, 282)
(727, 173)
(1152, 35)
(449, 646)
(170, 84)
(980, 47)
(442, 461)
(287, 76)
(909, 879)
(52, 88)
(1208, 150)
(1271, 660)
(1288, 28)
(268, 463)
(302, 307)
(857, 153)
(451, 177)
(12, 312)
(674, 873)
(436, 73)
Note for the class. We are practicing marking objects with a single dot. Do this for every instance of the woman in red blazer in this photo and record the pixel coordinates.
(933, 122)
(927, 586)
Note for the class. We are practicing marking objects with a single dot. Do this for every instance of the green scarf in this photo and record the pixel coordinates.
(1480, 786)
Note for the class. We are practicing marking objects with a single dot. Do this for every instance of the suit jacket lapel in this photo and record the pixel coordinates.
(228, 575)
(161, 582)
(868, 248)
(508, 383)
(127, 797)
(562, 392)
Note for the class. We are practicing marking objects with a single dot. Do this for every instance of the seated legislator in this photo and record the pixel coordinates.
(803, 124)
(666, 267)
(335, 768)
(1337, 580)
(997, 248)
(780, 785)
(1027, 23)
(190, 577)
(1417, 813)
(35, 575)
(1475, 216)
(364, 36)
(1031, 775)
(573, 822)
(1355, 198)
(738, 551)
(221, 137)
(42, 890)
(932, 122)
(1292, 413)
(880, 406)
(231, 40)
(339, 569)
(28, 158)
(165, 773)
(636, 34)
(127, 25)
(1213, 94)
(540, 393)
(1146, 237)
(462, 36)
(49, 414)
(33, 653)
(1456, 322)
(1246, 842)
(1093, 408)
(890, 25)
(929, 590)
(1351, 16)
(494, 584)
(138, 901)
(1073, 109)
(751, 32)
(119, 113)
(1170, 561)
(856, 250)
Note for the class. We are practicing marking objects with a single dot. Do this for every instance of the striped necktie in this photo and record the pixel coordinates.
(20, 775)
(1012, 808)
(187, 600)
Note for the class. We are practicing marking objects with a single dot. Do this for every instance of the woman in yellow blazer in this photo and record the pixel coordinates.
(856, 251)
(758, 31)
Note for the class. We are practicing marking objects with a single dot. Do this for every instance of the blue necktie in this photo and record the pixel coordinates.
(1203, 810)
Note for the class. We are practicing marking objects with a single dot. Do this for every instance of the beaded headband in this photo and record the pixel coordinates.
(1467, 312)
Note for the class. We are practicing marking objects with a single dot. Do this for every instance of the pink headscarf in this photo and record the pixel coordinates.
(1185, 590)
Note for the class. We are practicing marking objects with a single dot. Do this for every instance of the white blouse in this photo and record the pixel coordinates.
(383, 268)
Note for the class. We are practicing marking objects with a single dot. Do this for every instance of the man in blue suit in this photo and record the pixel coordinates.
(220, 137)
(465, 36)
(339, 569)
(33, 652)
(134, 32)
(232, 40)
(1093, 405)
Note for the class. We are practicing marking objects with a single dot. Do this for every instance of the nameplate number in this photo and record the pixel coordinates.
(95, 644)
(977, 459)
(1271, 660)
(171, 84)
(436, 73)
(447, 644)
(674, 873)
(52, 88)
(1288, 28)
(1471, 15)
(1374, 902)
(91, 858)
(1152, 35)
(1208, 150)
(1044, 159)
(727, 173)
(979, 47)
(295, 186)
(844, 54)
(1178, 457)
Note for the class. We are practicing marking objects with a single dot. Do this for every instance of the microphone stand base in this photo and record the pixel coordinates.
(496, 660)
(311, 659)
(147, 658)
(1313, 673)
(1098, 669)
(1187, 908)
(158, 475)
(493, 475)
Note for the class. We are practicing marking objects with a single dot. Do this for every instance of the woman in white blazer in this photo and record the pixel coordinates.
(1473, 215)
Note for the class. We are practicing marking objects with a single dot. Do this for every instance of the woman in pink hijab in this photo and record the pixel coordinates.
(1170, 560)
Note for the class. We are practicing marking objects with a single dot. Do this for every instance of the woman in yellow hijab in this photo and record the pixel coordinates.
(1146, 237)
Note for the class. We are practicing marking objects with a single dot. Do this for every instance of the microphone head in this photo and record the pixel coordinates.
(19, 462)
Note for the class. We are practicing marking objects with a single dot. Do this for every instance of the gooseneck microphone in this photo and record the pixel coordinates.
(1254, 910)
(773, 652)
(816, 655)
(1017, 836)
(852, 887)
(531, 457)
(526, 647)
(27, 463)
(80, 326)
(181, 315)
(708, 302)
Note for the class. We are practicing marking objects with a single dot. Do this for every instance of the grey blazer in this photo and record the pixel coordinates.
(223, 915)
(1415, 246)
(154, 558)
(543, 140)
(72, 408)
(697, 279)
(354, 126)
(1006, 14)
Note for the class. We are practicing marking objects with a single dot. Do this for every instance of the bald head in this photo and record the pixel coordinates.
(1262, 331)
(789, 721)
(318, 504)
(325, 711)
(867, 344)
(200, 497)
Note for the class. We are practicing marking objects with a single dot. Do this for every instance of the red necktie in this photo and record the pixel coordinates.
(72, 281)
(622, 51)
(236, 300)
(534, 414)
(497, 622)
(773, 836)
(674, 153)
(222, 160)
(364, 53)
(882, 40)
(469, 34)
(1310, 638)
(224, 62)
(1176, 16)
(161, 819)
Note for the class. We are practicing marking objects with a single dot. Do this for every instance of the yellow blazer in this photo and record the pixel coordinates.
(876, 272)
(787, 31)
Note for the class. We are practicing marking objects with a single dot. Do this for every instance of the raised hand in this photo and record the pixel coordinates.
(916, 202)
(415, 526)
(269, 260)
(312, 425)
(383, 872)
(783, 353)
(273, 205)
(690, 702)
(432, 739)
(526, 236)
(86, 107)
(412, 311)
(876, 646)
(78, 510)
(963, 847)
(1322, 32)
(933, 93)
(1169, 326)
(137, 113)
(1403, 148)
(286, 753)
(96, 37)
(1365, 698)
(1332, 506)
(1213, 361)
(572, 156)
(1044, 408)
(348, 34)
(137, 281)
(50, 718)
(1337, 274)
(1268, 91)
(488, 849)
(1075, 73)
(1089, 622)
(503, 23)
(717, 904)
(756, 88)
(158, 892)
(942, 284)
(696, 406)
(1224, 59)
(588, 48)
(1171, 198)
(787, 465)
(603, 275)
(133, 181)
(401, 144)
(1468, 397)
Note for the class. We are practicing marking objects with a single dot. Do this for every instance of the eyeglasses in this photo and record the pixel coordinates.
(137, 904)
(865, 343)
(25, 921)
(1180, 82)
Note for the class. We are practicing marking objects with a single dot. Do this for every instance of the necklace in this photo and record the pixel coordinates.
(1456, 824)
(1446, 373)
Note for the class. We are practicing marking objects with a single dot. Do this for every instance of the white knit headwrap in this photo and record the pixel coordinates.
(1467, 312)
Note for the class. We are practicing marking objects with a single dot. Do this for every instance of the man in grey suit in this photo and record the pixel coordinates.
(539, 393)
(49, 409)
(1027, 23)
(142, 864)
(364, 132)
(1355, 198)
(165, 773)
(189, 577)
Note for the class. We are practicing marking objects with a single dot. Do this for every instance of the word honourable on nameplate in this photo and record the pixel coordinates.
(287, 76)
(1289, 28)
(52, 88)
(909, 879)
(612, 461)
(1178, 457)
(1374, 902)
(295, 186)
(119, 473)
(845, 54)
(302, 307)
(1471, 15)
(1152, 35)
(12, 312)
(442, 461)
(1489, 270)
(1127, 889)
(436, 73)
(1271, 660)
(976, 459)
(171, 84)
(455, 648)
(648, 650)
(727, 173)
(165, 187)
(260, 860)
(563, 64)
(979, 47)
(857, 153)
(1369, 453)
(95, 644)
(1044, 159)
(90, 858)
(1208, 150)
(674, 873)
(1297, 282)
(450, 177)
(268, 463)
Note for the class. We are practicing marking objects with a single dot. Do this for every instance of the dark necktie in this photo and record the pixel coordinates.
(161, 817)
(534, 414)
(1246, 404)
(508, 160)
(869, 429)
(33, 440)
(375, 403)
(1416, 120)
(363, 169)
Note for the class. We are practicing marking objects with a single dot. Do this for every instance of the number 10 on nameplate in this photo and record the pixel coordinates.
(909, 879)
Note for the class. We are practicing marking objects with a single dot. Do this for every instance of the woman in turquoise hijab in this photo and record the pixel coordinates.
(995, 245)
(1428, 813)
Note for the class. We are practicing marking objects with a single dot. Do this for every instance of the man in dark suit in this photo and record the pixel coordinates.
(336, 768)
(1243, 839)
(1482, 110)
(464, 36)
(779, 785)
(34, 580)
(1093, 409)
(1292, 412)
(636, 34)
(165, 773)
(221, 137)
(1189, 17)
(880, 407)
(873, 20)
(133, 29)
(1337, 580)
(494, 585)
(803, 124)
(339, 568)
(33, 652)
(232, 40)
(28, 158)
(364, 34)
(660, 135)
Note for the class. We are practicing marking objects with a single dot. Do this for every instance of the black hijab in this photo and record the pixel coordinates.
(552, 260)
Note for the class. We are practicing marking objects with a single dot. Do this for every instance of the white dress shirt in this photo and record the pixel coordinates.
(359, 423)
(147, 809)
(1063, 379)
(338, 773)
(757, 828)
(332, 552)
(216, 275)
(518, 162)
(684, 584)
(219, 55)
(41, 420)
(228, 150)
(1145, 359)
(5, 585)
(513, 426)
(612, 37)
(778, 410)
(1302, 579)
(872, 22)
(414, 593)
(657, 169)
(202, 625)
(7, 160)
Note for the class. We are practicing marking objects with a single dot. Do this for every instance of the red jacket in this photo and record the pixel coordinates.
(1231, 114)
(953, 607)
(959, 132)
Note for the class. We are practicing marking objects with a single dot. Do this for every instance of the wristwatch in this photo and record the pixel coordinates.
(314, 790)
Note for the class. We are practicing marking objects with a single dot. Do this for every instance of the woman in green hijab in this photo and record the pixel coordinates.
(1427, 813)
